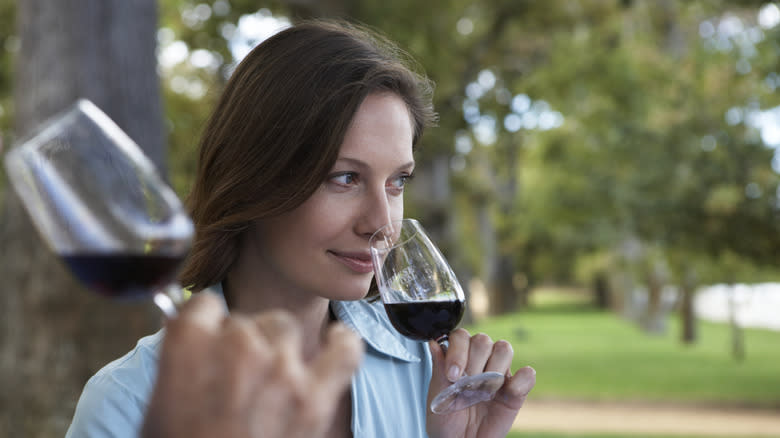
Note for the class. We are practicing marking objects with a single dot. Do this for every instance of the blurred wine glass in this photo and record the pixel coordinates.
(100, 204)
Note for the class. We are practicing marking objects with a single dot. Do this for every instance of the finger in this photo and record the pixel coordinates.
(284, 336)
(480, 348)
(281, 329)
(330, 373)
(457, 354)
(500, 358)
(515, 391)
(187, 336)
(204, 310)
(244, 356)
(337, 361)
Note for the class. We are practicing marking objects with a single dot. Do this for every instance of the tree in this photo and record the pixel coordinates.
(54, 334)
(633, 81)
(657, 147)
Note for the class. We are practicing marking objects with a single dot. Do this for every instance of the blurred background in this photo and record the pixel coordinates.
(605, 179)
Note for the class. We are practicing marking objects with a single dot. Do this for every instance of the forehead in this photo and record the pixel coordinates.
(381, 128)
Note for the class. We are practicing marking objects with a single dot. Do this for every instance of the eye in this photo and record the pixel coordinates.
(400, 182)
(344, 178)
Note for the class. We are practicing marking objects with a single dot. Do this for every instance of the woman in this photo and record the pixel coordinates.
(305, 156)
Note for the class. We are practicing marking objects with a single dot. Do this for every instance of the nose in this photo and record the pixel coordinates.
(378, 211)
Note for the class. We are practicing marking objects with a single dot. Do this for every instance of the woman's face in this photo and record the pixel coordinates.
(321, 247)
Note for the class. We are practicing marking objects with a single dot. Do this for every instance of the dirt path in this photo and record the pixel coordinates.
(569, 417)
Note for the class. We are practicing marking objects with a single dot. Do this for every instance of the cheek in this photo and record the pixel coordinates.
(320, 216)
(397, 208)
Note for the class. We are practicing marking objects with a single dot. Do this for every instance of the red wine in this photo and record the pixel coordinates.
(123, 275)
(424, 320)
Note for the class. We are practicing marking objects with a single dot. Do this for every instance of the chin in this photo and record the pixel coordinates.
(351, 296)
(351, 292)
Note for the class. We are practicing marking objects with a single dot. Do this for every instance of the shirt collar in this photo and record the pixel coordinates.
(364, 318)
(370, 322)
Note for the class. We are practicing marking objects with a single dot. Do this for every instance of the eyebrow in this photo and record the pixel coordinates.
(360, 163)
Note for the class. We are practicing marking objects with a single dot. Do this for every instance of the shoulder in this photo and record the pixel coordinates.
(113, 401)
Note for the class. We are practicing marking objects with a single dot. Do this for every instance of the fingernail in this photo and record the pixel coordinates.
(453, 373)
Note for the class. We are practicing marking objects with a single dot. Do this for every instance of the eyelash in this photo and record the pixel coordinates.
(405, 178)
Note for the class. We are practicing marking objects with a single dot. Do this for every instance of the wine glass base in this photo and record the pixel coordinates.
(467, 391)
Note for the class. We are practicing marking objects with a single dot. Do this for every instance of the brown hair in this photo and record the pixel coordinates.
(276, 130)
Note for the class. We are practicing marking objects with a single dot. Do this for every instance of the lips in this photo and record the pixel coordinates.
(359, 262)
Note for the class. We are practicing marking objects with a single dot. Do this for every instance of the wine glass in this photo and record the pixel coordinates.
(100, 204)
(423, 300)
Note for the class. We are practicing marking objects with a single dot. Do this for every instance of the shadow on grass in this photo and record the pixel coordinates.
(597, 435)
(551, 301)
(563, 308)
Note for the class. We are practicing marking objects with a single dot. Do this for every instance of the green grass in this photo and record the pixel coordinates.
(585, 354)
(598, 435)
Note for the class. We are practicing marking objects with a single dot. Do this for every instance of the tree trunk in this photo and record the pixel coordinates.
(601, 293)
(507, 296)
(652, 320)
(54, 334)
(737, 334)
(686, 308)
(487, 237)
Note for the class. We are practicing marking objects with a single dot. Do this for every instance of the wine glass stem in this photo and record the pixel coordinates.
(444, 342)
(168, 299)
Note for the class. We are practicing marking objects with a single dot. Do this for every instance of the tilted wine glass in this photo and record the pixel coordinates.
(424, 300)
(100, 204)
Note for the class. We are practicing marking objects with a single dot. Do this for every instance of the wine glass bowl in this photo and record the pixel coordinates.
(100, 204)
(424, 300)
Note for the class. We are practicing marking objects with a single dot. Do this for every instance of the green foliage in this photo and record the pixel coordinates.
(644, 153)
(585, 354)
(603, 435)
(8, 47)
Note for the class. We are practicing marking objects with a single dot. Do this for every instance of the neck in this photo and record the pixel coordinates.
(312, 313)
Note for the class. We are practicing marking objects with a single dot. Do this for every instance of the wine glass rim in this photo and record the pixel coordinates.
(374, 237)
(28, 163)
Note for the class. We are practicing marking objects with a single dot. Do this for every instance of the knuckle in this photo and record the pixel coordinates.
(237, 339)
(517, 392)
(350, 348)
(276, 318)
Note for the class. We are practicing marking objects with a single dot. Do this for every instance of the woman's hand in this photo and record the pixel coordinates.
(243, 377)
(473, 355)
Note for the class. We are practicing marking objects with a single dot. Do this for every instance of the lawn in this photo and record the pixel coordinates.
(577, 435)
(582, 353)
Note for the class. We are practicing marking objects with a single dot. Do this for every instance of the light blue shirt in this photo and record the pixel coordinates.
(389, 389)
